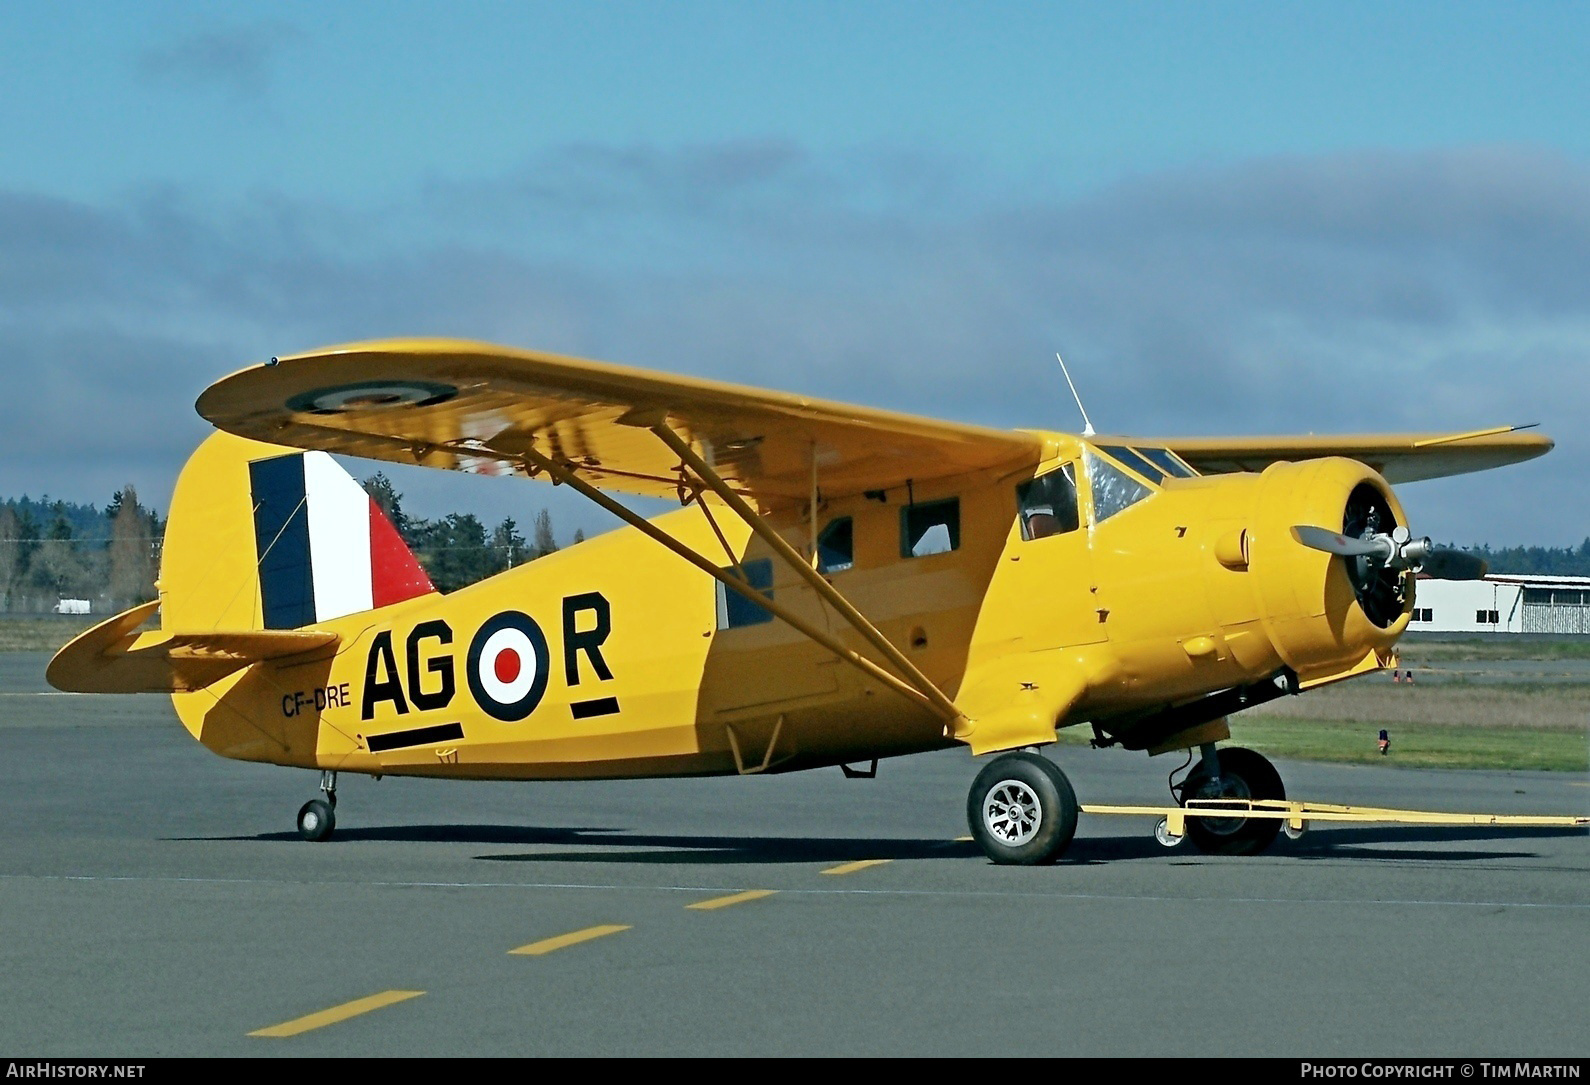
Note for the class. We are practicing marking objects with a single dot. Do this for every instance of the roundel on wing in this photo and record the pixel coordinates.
(378, 395)
(508, 664)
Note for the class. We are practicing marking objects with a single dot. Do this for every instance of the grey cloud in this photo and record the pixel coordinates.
(1354, 292)
(236, 59)
(1406, 238)
(740, 196)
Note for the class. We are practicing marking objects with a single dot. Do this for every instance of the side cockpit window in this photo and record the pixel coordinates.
(1048, 504)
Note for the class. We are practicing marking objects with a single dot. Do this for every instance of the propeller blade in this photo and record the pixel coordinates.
(1453, 565)
(1332, 542)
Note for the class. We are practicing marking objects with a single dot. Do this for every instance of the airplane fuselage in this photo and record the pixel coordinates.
(615, 658)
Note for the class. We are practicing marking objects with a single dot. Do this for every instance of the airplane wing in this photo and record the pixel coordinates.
(113, 658)
(469, 406)
(1400, 457)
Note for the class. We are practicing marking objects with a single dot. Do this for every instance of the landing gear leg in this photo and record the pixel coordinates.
(318, 817)
(1209, 764)
(1022, 810)
(1235, 773)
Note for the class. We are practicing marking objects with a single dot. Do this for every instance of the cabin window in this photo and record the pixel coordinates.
(1113, 489)
(836, 546)
(933, 527)
(734, 609)
(1048, 504)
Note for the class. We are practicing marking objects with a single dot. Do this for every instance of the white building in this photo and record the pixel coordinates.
(1503, 603)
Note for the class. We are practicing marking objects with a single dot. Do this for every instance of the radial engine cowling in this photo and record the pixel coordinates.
(1322, 612)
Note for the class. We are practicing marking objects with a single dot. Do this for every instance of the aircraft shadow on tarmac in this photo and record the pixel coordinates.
(610, 845)
(604, 845)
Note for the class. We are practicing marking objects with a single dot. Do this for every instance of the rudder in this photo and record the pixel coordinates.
(266, 537)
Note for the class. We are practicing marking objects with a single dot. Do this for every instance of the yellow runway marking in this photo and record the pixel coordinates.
(963, 840)
(733, 898)
(337, 1013)
(573, 938)
(859, 864)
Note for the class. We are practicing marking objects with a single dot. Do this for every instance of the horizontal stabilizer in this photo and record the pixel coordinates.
(113, 658)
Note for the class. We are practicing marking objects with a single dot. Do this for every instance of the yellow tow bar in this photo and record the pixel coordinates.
(1298, 815)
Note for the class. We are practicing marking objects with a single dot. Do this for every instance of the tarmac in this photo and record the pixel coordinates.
(155, 901)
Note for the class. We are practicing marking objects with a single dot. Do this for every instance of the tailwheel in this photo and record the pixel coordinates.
(1022, 810)
(317, 818)
(1233, 773)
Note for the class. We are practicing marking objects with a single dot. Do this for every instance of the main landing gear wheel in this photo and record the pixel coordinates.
(316, 820)
(1243, 774)
(1022, 810)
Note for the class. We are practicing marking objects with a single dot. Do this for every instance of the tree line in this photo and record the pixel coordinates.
(54, 550)
(1537, 560)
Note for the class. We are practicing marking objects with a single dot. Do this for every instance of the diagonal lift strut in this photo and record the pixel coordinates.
(791, 557)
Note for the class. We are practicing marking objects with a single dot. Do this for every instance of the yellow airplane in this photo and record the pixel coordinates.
(840, 585)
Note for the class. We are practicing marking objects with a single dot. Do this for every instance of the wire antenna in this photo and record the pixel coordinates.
(1087, 424)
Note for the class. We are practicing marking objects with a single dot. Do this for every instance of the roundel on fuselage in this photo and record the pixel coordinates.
(508, 665)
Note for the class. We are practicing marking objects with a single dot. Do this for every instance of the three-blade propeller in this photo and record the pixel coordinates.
(1395, 551)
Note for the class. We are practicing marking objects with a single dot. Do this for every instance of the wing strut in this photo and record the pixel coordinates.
(858, 621)
(563, 474)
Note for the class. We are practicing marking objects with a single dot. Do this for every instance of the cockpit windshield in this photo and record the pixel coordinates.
(1167, 461)
(1113, 489)
(1154, 464)
(1136, 462)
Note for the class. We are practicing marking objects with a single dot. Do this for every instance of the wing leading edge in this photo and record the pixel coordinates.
(477, 407)
(1400, 457)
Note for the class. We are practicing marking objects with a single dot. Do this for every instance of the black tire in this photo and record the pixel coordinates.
(1243, 775)
(1022, 782)
(316, 820)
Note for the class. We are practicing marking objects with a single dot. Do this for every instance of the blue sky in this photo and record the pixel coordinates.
(1235, 217)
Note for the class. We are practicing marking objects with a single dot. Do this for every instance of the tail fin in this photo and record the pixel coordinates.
(264, 537)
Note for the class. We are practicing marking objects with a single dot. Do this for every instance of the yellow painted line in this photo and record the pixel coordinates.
(733, 898)
(573, 938)
(963, 840)
(337, 1013)
(859, 864)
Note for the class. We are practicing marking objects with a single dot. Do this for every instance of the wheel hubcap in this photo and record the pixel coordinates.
(1012, 813)
(1231, 787)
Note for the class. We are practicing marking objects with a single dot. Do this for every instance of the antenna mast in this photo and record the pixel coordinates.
(1087, 425)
